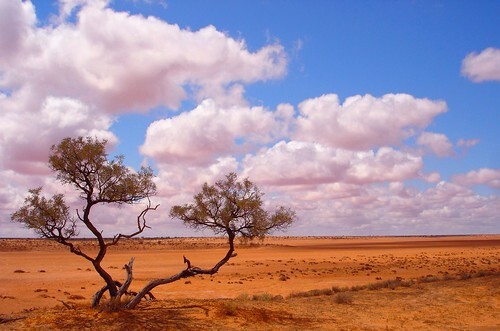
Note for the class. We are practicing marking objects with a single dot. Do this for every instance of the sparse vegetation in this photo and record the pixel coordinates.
(344, 298)
(228, 308)
(436, 296)
(83, 163)
(388, 284)
(229, 207)
(266, 297)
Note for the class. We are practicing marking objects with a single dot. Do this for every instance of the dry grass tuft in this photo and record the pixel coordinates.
(76, 297)
(266, 297)
(343, 298)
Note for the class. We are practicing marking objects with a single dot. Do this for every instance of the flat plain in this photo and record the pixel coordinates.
(283, 283)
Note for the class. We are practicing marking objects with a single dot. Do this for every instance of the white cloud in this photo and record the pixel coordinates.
(483, 66)
(483, 176)
(27, 134)
(302, 163)
(120, 62)
(364, 122)
(73, 76)
(437, 143)
(345, 167)
(467, 143)
(17, 18)
(199, 136)
(395, 208)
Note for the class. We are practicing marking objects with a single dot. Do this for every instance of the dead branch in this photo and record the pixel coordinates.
(67, 305)
(190, 271)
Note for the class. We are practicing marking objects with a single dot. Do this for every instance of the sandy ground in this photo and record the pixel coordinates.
(37, 275)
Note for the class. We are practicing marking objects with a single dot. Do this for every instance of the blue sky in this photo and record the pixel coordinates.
(360, 47)
(430, 70)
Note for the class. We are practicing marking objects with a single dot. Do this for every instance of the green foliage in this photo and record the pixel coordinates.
(83, 163)
(49, 218)
(232, 206)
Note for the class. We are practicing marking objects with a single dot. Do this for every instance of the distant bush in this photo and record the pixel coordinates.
(311, 293)
(243, 296)
(464, 276)
(429, 279)
(390, 283)
(229, 308)
(483, 273)
(344, 298)
(266, 297)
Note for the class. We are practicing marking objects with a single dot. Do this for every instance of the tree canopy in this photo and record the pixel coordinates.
(232, 206)
(84, 164)
(229, 207)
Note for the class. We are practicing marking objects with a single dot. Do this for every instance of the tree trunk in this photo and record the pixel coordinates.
(190, 271)
(110, 284)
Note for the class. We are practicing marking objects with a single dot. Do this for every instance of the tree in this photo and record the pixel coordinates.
(231, 208)
(83, 163)
(228, 207)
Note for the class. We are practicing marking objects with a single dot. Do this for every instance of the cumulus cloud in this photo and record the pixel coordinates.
(199, 136)
(483, 66)
(483, 176)
(90, 64)
(364, 122)
(17, 19)
(70, 78)
(26, 135)
(436, 143)
(394, 208)
(121, 62)
(302, 163)
(345, 166)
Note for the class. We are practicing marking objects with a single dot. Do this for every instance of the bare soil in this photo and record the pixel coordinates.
(441, 276)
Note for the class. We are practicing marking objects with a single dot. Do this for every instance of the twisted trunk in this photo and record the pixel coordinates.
(190, 271)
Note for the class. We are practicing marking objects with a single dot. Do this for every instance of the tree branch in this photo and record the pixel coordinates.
(190, 271)
(141, 225)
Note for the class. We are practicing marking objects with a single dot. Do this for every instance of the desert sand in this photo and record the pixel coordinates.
(253, 290)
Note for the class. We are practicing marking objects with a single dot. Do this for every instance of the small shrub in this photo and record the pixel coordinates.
(228, 309)
(449, 277)
(19, 271)
(465, 276)
(243, 296)
(343, 298)
(115, 305)
(265, 297)
(483, 273)
(336, 289)
(358, 287)
(429, 279)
